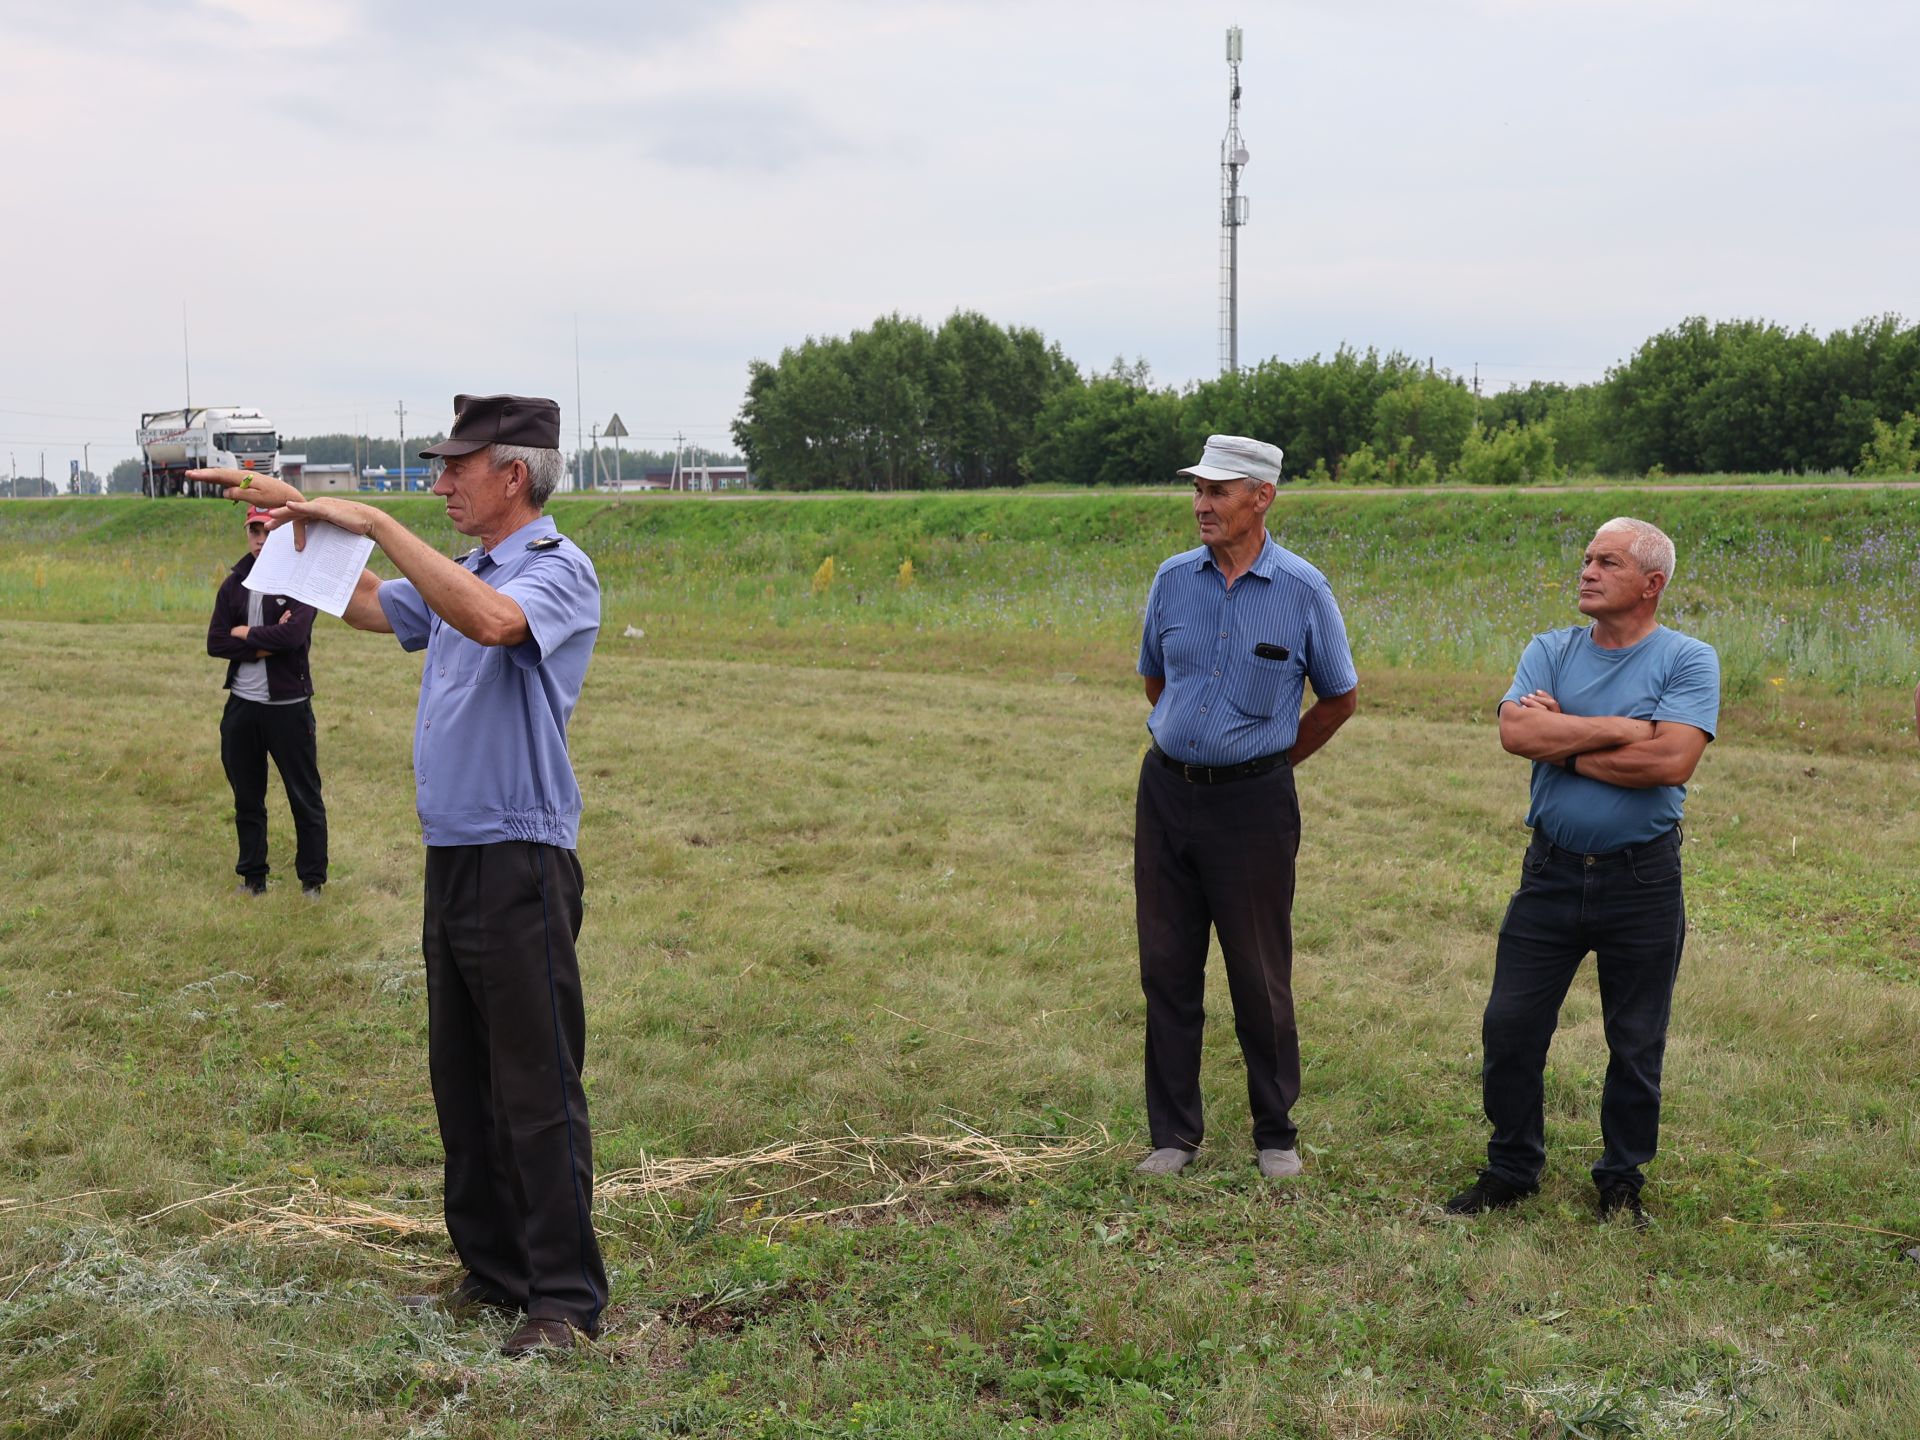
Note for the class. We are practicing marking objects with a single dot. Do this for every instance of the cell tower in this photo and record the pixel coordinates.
(1233, 213)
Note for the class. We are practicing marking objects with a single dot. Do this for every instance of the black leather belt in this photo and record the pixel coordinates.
(1623, 856)
(1220, 774)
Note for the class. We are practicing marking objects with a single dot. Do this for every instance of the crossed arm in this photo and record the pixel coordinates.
(1634, 754)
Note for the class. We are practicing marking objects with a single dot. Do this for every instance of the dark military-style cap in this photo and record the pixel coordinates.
(483, 420)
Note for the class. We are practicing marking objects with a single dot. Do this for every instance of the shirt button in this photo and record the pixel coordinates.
(1216, 674)
(1203, 709)
(1223, 634)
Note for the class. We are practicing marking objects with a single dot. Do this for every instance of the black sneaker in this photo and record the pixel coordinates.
(314, 892)
(252, 889)
(1489, 1192)
(1623, 1200)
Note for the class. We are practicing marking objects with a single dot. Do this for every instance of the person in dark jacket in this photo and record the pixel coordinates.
(264, 640)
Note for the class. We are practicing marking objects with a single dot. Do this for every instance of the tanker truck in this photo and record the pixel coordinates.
(173, 442)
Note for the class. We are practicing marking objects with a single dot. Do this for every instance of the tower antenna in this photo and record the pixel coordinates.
(1233, 213)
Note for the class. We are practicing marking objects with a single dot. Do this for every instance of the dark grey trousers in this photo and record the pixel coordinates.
(1217, 857)
(506, 1037)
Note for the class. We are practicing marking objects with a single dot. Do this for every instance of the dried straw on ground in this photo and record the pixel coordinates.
(811, 1178)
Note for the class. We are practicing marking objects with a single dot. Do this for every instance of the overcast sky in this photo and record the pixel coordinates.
(368, 203)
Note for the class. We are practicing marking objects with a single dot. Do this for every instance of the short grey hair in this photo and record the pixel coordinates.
(544, 469)
(1650, 547)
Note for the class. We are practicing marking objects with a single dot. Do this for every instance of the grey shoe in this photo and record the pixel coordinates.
(1168, 1161)
(313, 892)
(1280, 1164)
(252, 889)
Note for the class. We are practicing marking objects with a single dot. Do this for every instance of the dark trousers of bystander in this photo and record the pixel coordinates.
(506, 1039)
(249, 733)
(1627, 907)
(1217, 857)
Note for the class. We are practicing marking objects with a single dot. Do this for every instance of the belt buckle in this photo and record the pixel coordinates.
(1186, 772)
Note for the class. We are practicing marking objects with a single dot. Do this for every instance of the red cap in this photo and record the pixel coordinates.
(254, 512)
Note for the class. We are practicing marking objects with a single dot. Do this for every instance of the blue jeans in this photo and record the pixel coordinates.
(1627, 907)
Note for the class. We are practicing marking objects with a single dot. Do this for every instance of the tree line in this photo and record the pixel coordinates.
(902, 406)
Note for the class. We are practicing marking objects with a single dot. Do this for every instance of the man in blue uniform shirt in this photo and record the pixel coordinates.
(1235, 630)
(1614, 717)
(508, 631)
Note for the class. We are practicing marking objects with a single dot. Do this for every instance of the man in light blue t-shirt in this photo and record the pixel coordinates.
(1614, 716)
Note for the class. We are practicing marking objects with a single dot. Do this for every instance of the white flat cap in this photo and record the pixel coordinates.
(1234, 457)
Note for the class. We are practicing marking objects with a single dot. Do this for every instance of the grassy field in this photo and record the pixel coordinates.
(864, 1019)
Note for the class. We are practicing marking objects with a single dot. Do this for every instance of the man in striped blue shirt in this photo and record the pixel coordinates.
(1235, 630)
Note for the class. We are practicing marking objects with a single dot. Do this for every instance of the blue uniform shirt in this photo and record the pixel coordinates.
(490, 739)
(1667, 676)
(1224, 703)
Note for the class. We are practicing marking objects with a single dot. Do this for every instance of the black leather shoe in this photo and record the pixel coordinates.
(1489, 1192)
(536, 1336)
(1621, 1200)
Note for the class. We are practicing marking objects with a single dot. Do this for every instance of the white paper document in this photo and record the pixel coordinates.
(323, 574)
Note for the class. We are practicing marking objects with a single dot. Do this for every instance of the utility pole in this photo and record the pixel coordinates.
(595, 433)
(401, 411)
(1233, 213)
(579, 417)
(679, 481)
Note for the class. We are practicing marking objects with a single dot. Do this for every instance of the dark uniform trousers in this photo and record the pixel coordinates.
(249, 733)
(506, 1038)
(1218, 856)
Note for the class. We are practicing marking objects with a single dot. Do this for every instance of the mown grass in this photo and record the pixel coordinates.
(846, 875)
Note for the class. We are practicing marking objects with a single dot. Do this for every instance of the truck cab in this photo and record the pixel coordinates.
(227, 437)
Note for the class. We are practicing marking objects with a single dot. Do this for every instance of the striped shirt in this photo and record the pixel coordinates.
(1226, 701)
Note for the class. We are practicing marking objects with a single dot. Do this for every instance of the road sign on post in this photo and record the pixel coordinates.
(615, 430)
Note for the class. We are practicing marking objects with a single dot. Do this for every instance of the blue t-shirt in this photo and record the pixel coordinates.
(1667, 676)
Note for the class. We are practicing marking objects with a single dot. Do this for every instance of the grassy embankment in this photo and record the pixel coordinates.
(858, 866)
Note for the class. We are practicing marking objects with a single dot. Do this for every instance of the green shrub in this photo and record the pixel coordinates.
(1512, 455)
(1894, 449)
(1399, 466)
